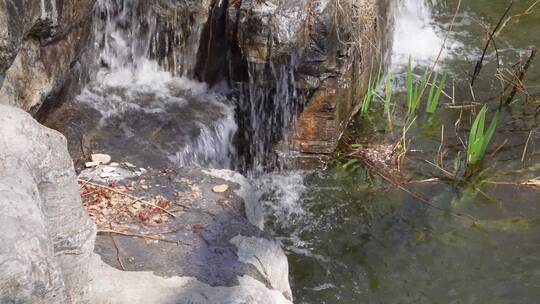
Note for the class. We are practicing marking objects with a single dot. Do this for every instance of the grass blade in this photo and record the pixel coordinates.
(429, 108)
(435, 101)
(479, 138)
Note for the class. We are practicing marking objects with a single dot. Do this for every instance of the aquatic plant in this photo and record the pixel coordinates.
(368, 97)
(435, 93)
(371, 92)
(479, 138)
(415, 90)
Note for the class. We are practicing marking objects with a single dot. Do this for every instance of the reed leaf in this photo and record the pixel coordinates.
(435, 93)
(479, 138)
(368, 97)
(409, 87)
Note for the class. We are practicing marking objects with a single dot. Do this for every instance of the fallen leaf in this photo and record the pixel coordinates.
(220, 188)
(198, 228)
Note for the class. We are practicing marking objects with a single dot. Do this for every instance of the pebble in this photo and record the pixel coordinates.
(101, 159)
(91, 164)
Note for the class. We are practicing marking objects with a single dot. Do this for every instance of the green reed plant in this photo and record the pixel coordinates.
(415, 90)
(368, 97)
(479, 138)
(435, 93)
(371, 92)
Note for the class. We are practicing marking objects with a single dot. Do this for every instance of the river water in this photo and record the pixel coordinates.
(351, 237)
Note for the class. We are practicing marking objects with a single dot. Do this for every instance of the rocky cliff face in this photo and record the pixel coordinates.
(330, 48)
(41, 42)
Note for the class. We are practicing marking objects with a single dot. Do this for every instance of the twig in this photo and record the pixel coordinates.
(136, 199)
(432, 69)
(522, 75)
(143, 236)
(117, 250)
(526, 146)
(479, 63)
(440, 157)
(526, 12)
(418, 195)
(498, 148)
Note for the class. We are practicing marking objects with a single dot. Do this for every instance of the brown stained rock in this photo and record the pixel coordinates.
(325, 118)
(332, 47)
(338, 98)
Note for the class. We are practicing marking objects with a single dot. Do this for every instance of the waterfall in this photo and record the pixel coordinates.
(269, 104)
(416, 34)
(143, 87)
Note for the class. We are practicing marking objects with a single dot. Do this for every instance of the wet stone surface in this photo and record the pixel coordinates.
(174, 130)
(193, 243)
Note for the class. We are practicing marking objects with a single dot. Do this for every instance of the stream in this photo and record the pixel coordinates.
(352, 237)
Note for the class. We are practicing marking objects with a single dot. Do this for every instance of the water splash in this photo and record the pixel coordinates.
(269, 104)
(137, 92)
(280, 195)
(416, 34)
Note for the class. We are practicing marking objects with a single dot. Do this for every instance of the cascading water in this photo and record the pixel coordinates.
(268, 104)
(414, 34)
(156, 111)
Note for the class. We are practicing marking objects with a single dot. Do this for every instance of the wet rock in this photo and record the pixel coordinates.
(144, 287)
(41, 45)
(330, 46)
(46, 238)
(205, 244)
(171, 238)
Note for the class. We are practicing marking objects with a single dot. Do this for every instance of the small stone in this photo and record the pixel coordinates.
(130, 165)
(91, 164)
(101, 159)
(220, 188)
(114, 164)
(109, 175)
(108, 169)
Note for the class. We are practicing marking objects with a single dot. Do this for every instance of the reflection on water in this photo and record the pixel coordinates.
(353, 238)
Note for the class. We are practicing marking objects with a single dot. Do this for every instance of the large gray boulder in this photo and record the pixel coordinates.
(47, 237)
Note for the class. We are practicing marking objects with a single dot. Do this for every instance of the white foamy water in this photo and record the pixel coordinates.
(280, 195)
(416, 34)
(130, 84)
